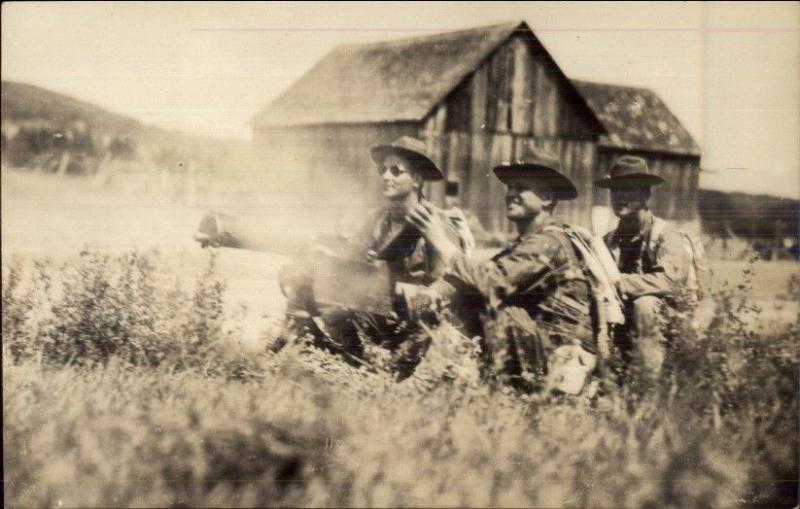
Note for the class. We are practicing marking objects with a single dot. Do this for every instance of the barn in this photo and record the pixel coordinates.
(639, 123)
(477, 97)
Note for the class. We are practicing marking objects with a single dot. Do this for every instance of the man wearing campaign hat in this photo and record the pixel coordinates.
(537, 322)
(652, 259)
(403, 167)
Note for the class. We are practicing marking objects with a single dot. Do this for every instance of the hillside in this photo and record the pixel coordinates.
(54, 133)
(750, 216)
(21, 102)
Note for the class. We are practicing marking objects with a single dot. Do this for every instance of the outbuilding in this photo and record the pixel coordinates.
(477, 97)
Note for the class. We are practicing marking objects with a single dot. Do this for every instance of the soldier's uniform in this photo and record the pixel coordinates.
(410, 260)
(535, 298)
(654, 273)
(650, 266)
(414, 262)
(654, 266)
(419, 264)
(459, 219)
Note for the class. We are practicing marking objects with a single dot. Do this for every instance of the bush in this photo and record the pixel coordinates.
(102, 308)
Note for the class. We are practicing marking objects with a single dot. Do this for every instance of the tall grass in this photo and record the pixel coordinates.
(121, 388)
(98, 308)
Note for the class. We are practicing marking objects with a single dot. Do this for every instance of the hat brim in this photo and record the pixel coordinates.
(423, 165)
(629, 181)
(543, 176)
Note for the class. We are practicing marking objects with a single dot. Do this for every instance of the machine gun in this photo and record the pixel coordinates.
(329, 270)
(337, 272)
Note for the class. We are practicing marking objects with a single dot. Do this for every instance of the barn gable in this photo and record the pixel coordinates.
(636, 119)
(397, 81)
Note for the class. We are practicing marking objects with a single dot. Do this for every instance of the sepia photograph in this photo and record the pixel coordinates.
(400, 254)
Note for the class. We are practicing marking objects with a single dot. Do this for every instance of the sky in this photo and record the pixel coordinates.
(730, 71)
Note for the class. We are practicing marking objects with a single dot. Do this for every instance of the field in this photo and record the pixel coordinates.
(135, 373)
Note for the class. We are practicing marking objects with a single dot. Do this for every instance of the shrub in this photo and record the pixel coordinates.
(18, 306)
(101, 308)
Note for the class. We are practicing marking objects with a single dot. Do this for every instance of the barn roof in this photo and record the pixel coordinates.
(636, 119)
(392, 81)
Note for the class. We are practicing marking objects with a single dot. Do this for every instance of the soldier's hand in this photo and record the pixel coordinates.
(426, 220)
(430, 223)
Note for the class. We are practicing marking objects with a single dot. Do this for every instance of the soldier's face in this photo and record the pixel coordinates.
(398, 177)
(626, 202)
(524, 201)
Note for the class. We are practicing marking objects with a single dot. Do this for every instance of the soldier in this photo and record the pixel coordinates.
(537, 318)
(403, 167)
(652, 259)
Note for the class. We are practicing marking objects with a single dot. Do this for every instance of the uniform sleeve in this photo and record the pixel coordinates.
(506, 273)
(459, 221)
(670, 272)
(437, 266)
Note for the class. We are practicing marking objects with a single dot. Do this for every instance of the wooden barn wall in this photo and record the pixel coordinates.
(514, 100)
(676, 199)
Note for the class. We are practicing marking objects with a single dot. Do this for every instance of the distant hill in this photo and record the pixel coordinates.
(52, 132)
(763, 221)
(21, 102)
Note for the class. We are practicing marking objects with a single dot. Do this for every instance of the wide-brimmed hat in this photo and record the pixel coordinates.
(628, 172)
(413, 149)
(541, 166)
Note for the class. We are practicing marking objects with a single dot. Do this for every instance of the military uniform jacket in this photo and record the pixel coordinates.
(536, 296)
(650, 266)
(422, 265)
(459, 220)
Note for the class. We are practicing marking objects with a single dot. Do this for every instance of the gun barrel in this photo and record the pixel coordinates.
(225, 230)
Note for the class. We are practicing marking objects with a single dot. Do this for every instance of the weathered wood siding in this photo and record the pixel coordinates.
(514, 100)
(676, 199)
